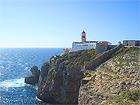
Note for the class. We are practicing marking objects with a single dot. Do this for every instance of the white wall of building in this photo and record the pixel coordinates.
(76, 47)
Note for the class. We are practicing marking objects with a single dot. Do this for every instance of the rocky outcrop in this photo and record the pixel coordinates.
(111, 78)
(59, 82)
(60, 78)
(34, 77)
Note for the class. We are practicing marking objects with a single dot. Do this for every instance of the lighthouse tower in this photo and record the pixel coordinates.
(83, 38)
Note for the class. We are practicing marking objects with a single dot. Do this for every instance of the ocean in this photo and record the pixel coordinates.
(15, 65)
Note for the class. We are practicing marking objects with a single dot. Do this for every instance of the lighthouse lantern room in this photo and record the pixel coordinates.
(83, 37)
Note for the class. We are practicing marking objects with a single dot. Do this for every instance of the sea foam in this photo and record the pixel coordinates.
(13, 83)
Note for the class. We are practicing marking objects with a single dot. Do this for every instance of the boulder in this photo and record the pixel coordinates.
(33, 78)
(35, 70)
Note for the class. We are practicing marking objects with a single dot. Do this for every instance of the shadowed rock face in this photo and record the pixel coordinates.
(33, 78)
(59, 82)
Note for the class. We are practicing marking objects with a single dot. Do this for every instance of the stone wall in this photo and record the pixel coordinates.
(137, 43)
(93, 63)
(111, 46)
(131, 42)
(101, 47)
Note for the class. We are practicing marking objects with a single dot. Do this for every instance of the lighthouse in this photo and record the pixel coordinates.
(83, 37)
(83, 44)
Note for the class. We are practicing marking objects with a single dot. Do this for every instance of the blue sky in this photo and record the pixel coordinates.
(57, 23)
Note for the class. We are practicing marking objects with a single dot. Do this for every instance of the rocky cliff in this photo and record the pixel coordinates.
(63, 80)
(60, 77)
(111, 78)
(59, 82)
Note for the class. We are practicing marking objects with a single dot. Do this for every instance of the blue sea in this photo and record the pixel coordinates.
(15, 65)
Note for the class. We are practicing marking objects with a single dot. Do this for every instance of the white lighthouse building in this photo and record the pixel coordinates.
(83, 37)
(85, 44)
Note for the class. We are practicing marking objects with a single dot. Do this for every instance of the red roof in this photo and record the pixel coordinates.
(105, 42)
(83, 31)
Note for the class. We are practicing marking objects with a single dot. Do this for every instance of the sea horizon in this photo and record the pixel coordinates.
(34, 47)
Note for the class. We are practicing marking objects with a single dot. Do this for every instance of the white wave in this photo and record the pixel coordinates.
(26, 68)
(33, 86)
(13, 83)
(38, 99)
(2, 67)
(20, 64)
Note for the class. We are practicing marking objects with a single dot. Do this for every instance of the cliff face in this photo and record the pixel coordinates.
(112, 77)
(60, 77)
(59, 82)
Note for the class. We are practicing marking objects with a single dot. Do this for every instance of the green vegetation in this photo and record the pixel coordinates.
(122, 59)
(79, 57)
(132, 95)
(89, 75)
(127, 97)
(125, 50)
(93, 78)
(99, 54)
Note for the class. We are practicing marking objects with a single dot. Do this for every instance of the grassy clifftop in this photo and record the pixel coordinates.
(79, 57)
(110, 79)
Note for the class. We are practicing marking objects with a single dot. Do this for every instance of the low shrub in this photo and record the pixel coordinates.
(125, 98)
(89, 75)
